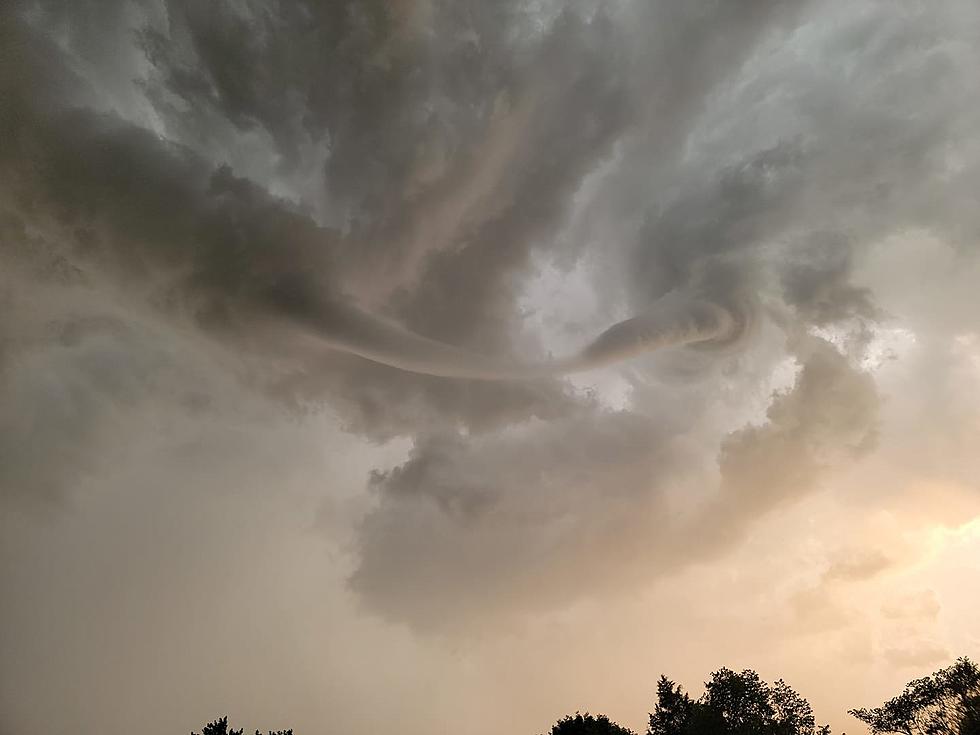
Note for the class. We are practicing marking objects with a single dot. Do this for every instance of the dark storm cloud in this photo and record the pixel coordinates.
(81, 382)
(845, 155)
(219, 250)
(383, 85)
(262, 172)
(102, 195)
(787, 222)
(53, 400)
(471, 528)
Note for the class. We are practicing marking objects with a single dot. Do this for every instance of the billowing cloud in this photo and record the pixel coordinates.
(297, 254)
(138, 194)
(472, 526)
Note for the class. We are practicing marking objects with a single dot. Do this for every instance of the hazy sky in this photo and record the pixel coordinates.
(208, 508)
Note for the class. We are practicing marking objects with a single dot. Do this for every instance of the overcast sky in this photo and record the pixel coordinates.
(212, 503)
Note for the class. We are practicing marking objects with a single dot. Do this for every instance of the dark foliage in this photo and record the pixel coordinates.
(220, 727)
(579, 724)
(946, 703)
(732, 704)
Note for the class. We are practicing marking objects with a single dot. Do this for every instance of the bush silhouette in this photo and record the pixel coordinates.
(220, 727)
(579, 724)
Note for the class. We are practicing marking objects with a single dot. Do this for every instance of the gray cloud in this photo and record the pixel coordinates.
(829, 415)
(208, 246)
(202, 202)
(478, 527)
(243, 172)
(527, 517)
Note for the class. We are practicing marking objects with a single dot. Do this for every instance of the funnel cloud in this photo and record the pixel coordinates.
(373, 365)
(674, 320)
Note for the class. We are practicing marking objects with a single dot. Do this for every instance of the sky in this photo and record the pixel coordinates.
(290, 298)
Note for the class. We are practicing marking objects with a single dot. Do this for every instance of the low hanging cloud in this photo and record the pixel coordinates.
(345, 204)
(475, 528)
(493, 341)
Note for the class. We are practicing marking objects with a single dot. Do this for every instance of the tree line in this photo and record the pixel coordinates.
(741, 703)
(733, 703)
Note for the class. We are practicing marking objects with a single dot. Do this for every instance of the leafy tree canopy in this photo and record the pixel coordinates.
(946, 703)
(732, 704)
(587, 724)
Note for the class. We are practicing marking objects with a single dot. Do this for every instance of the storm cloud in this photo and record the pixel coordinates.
(586, 292)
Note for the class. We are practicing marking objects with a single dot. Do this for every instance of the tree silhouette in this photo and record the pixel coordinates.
(732, 704)
(674, 711)
(220, 727)
(579, 724)
(946, 703)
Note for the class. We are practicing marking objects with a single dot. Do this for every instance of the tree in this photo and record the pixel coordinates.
(732, 704)
(946, 703)
(587, 724)
(674, 710)
(220, 727)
